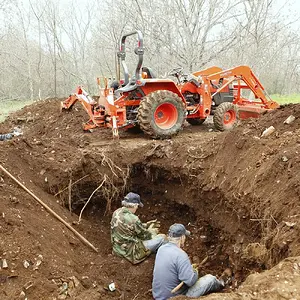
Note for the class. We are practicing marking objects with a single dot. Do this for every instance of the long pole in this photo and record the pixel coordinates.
(83, 239)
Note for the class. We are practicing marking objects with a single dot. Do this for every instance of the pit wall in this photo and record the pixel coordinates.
(238, 184)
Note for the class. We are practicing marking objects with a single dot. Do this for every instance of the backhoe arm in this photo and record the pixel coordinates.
(80, 95)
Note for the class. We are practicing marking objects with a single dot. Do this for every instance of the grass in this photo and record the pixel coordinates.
(9, 106)
(285, 99)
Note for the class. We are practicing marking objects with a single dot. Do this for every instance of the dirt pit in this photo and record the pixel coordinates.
(238, 194)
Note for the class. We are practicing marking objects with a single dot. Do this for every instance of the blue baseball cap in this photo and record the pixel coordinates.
(133, 198)
(178, 230)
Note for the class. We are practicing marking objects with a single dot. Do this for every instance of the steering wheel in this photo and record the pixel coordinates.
(176, 72)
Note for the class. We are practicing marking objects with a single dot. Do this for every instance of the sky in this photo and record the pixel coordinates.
(289, 9)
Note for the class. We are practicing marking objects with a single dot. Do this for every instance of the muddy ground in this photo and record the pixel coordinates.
(237, 192)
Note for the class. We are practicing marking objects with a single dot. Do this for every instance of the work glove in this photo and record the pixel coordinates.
(154, 223)
(195, 268)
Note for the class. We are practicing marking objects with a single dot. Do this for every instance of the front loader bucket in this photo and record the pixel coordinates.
(246, 112)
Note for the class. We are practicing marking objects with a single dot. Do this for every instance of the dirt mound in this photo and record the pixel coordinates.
(236, 191)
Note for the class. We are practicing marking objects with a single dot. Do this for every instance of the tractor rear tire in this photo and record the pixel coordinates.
(161, 114)
(196, 121)
(226, 116)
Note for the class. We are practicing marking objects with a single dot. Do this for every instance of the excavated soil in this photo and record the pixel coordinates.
(236, 191)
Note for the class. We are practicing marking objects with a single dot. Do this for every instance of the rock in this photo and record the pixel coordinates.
(3, 278)
(76, 282)
(246, 131)
(50, 287)
(288, 133)
(86, 282)
(196, 259)
(255, 252)
(240, 143)
(42, 172)
(63, 291)
(284, 159)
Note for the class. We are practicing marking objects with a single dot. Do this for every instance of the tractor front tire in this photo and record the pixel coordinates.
(226, 116)
(196, 121)
(161, 114)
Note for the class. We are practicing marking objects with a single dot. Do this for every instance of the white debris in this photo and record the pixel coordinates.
(290, 224)
(23, 296)
(290, 119)
(26, 264)
(112, 287)
(268, 131)
(4, 264)
(38, 262)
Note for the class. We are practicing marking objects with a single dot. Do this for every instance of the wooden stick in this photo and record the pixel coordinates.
(176, 288)
(84, 240)
(72, 185)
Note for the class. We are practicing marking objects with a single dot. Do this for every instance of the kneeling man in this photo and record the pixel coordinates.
(173, 266)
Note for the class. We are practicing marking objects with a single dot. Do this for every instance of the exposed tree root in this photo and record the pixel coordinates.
(87, 202)
(72, 185)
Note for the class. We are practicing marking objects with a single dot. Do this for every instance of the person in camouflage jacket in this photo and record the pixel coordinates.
(131, 238)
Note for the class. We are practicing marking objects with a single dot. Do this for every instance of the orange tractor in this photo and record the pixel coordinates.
(160, 106)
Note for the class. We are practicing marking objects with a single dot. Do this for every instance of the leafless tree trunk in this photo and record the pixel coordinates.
(55, 45)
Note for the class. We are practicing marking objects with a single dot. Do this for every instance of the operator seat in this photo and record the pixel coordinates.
(132, 85)
(149, 72)
(115, 85)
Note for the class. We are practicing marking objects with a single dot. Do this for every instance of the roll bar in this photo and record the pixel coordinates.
(139, 50)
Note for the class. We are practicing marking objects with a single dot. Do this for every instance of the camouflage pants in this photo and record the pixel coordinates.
(155, 243)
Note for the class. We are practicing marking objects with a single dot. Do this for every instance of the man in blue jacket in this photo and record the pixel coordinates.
(173, 266)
